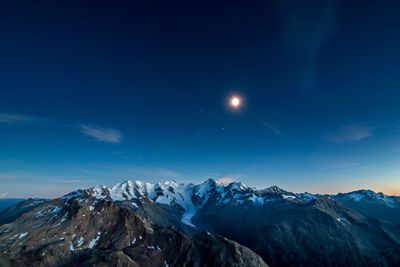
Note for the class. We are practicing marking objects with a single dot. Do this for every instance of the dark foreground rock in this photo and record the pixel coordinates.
(88, 232)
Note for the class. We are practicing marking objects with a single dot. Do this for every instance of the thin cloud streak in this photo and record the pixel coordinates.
(350, 133)
(107, 135)
(273, 129)
(230, 178)
(19, 119)
(225, 180)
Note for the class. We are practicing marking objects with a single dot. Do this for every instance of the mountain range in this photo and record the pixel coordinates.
(137, 223)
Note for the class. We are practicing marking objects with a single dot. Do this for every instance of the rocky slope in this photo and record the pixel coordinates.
(74, 231)
(318, 233)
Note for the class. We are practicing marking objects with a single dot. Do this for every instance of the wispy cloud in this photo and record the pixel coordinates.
(230, 178)
(3, 195)
(273, 129)
(102, 134)
(19, 119)
(225, 180)
(350, 133)
(108, 135)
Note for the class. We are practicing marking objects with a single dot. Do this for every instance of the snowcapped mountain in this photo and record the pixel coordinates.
(369, 195)
(191, 197)
(372, 204)
(152, 224)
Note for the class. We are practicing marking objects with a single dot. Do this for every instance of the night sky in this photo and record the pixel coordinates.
(97, 92)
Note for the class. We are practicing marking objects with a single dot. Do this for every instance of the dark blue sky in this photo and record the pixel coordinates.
(96, 92)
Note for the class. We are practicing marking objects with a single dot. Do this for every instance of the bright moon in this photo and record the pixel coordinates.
(235, 101)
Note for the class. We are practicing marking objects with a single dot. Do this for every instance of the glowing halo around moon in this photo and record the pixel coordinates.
(235, 101)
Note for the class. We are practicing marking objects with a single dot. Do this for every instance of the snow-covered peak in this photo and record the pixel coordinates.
(367, 195)
(132, 189)
(204, 189)
(188, 194)
(192, 197)
(237, 186)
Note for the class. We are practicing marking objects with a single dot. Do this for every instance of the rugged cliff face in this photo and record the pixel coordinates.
(319, 233)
